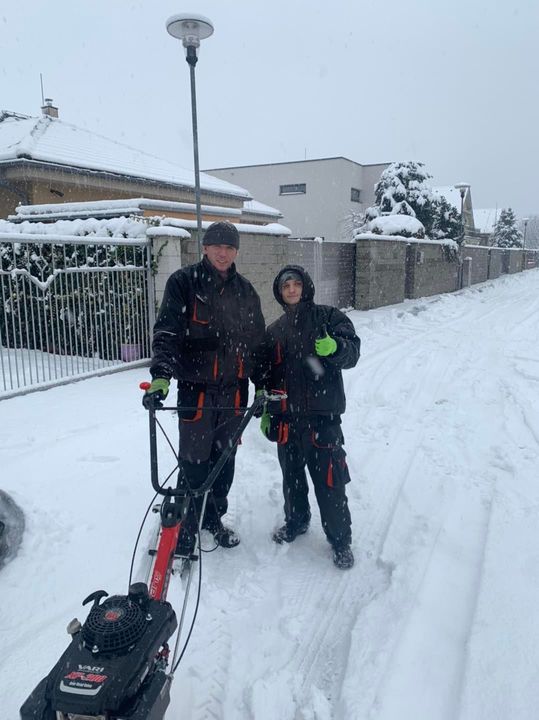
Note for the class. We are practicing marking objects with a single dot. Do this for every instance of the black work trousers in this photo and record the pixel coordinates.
(318, 444)
(204, 434)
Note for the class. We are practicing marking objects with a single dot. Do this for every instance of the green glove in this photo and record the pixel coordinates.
(156, 393)
(261, 409)
(325, 346)
(265, 423)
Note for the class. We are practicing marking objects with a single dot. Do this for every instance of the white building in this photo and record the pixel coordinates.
(318, 198)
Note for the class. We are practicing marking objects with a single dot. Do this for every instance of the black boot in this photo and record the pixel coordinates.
(343, 557)
(224, 537)
(289, 532)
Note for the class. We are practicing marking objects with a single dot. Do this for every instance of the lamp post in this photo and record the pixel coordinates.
(462, 188)
(191, 29)
(525, 221)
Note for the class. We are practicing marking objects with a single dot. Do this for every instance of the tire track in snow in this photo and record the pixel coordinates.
(320, 660)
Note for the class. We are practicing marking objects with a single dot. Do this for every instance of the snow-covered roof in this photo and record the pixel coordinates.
(253, 207)
(51, 140)
(112, 208)
(485, 219)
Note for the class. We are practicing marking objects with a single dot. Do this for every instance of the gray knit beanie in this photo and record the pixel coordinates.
(289, 275)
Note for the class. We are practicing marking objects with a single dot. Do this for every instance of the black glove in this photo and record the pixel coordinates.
(156, 393)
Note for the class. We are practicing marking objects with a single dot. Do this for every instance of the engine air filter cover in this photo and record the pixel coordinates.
(114, 626)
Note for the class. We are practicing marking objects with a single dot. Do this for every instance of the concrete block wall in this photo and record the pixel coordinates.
(434, 271)
(370, 273)
(480, 261)
(495, 265)
(512, 260)
(380, 272)
(259, 260)
(331, 265)
(531, 259)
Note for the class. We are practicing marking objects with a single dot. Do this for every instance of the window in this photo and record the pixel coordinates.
(354, 194)
(296, 189)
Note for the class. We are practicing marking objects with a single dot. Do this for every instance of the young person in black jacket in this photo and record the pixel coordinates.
(208, 326)
(302, 355)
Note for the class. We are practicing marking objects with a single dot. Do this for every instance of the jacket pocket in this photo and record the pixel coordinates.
(327, 436)
(191, 399)
(337, 472)
(279, 430)
(201, 311)
(241, 397)
(328, 440)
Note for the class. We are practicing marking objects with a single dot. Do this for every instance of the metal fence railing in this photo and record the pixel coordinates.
(71, 307)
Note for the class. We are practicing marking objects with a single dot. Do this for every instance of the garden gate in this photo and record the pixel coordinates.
(71, 307)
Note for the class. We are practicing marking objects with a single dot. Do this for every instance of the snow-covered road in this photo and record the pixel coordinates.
(438, 620)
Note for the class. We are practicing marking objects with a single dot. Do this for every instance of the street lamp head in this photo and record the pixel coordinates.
(462, 187)
(189, 28)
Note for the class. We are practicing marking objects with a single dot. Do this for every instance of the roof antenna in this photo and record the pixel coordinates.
(42, 93)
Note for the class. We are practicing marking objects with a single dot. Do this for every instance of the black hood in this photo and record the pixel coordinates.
(308, 285)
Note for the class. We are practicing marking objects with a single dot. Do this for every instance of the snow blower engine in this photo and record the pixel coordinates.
(115, 665)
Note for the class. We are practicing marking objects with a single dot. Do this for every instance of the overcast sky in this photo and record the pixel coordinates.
(452, 84)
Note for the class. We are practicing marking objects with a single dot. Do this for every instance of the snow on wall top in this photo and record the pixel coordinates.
(115, 227)
(52, 140)
(257, 208)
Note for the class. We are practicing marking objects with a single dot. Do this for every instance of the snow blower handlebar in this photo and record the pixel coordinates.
(152, 407)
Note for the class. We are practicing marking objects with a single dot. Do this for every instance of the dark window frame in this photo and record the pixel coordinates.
(355, 195)
(293, 189)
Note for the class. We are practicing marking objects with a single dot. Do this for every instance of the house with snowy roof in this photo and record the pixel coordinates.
(476, 222)
(45, 161)
(485, 219)
(452, 195)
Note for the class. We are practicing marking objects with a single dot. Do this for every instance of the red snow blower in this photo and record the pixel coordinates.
(118, 665)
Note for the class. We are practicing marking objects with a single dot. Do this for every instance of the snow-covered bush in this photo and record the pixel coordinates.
(405, 187)
(402, 225)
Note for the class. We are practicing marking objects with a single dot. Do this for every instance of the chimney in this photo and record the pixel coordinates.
(49, 109)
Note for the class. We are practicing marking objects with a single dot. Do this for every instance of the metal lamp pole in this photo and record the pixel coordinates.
(462, 188)
(525, 221)
(191, 29)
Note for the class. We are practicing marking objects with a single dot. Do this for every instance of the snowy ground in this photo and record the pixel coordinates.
(438, 619)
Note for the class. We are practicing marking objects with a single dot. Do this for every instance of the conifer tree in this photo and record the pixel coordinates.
(506, 232)
(447, 221)
(404, 186)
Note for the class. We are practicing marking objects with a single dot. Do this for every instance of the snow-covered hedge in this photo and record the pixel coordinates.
(402, 225)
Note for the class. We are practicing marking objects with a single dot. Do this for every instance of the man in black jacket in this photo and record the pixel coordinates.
(208, 326)
(302, 356)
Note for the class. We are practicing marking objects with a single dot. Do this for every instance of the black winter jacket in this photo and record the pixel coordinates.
(207, 327)
(287, 359)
